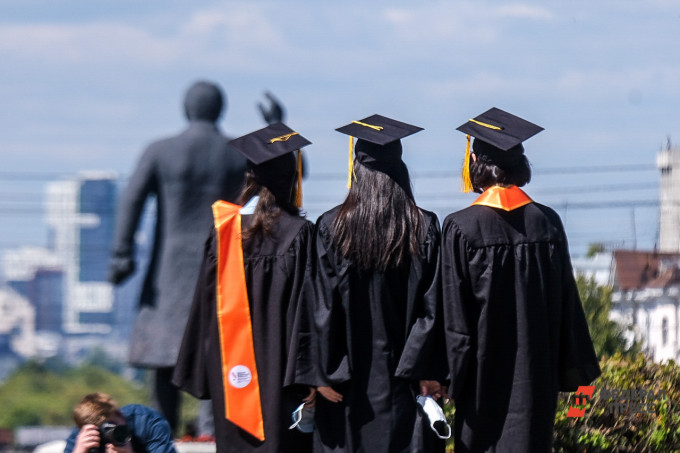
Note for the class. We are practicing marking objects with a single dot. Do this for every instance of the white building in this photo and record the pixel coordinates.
(647, 295)
(17, 322)
(647, 284)
(80, 215)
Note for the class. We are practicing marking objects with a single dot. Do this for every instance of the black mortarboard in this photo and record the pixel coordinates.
(379, 129)
(378, 144)
(273, 142)
(268, 143)
(500, 129)
(498, 135)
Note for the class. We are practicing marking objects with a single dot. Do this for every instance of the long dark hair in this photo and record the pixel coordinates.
(484, 173)
(269, 206)
(378, 224)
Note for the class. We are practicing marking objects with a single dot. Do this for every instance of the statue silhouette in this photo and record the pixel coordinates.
(185, 173)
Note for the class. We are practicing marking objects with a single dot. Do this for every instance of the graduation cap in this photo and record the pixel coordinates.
(263, 146)
(498, 135)
(378, 143)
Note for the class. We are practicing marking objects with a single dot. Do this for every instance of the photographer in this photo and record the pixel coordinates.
(103, 427)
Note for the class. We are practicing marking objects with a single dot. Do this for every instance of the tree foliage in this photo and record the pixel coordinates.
(45, 394)
(608, 336)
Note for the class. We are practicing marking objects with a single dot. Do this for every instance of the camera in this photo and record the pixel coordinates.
(111, 433)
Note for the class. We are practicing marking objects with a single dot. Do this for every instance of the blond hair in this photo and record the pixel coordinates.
(95, 409)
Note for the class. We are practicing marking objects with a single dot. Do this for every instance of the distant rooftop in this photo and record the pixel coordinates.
(636, 269)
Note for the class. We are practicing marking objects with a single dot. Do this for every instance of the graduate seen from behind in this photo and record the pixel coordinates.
(246, 327)
(375, 304)
(516, 331)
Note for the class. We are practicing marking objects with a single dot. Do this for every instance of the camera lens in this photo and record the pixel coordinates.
(120, 435)
(117, 435)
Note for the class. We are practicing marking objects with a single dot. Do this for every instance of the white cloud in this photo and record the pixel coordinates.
(398, 16)
(524, 11)
(90, 43)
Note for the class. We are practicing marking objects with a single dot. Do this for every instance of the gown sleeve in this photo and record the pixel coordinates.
(578, 364)
(460, 317)
(423, 356)
(141, 185)
(300, 356)
(322, 296)
(191, 371)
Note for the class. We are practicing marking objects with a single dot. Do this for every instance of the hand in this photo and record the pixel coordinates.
(127, 448)
(330, 394)
(445, 393)
(310, 400)
(120, 269)
(431, 388)
(275, 113)
(87, 438)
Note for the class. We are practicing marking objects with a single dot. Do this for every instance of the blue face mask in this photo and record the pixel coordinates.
(303, 419)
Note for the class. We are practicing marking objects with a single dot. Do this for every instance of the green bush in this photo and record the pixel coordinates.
(601, 429)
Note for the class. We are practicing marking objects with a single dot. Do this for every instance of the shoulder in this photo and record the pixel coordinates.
(157, 146)
(432, 227)
(324, 223)
(431, 219)
(292, 233)
(145, 423)
(465, 217)
(139, 410)
(327, 218)
(550, 214)
(295, 223)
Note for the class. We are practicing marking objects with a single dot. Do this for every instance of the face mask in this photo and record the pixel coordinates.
(303, 419)
(435, 415)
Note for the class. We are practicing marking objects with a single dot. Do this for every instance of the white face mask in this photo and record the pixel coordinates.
(303, 419)
(436, 416)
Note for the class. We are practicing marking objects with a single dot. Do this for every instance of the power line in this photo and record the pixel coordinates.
(54, 176)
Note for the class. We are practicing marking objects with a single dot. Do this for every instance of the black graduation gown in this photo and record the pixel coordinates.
(275, 270)
(515, 327)
(376, 335)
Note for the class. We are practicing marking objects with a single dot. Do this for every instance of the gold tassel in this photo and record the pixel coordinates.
(298, 194)
(350, 172)
(467, 183)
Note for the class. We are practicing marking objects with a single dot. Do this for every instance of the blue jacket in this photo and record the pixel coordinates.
(149, 430)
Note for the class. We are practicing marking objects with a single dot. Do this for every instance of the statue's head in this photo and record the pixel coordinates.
(203, 101)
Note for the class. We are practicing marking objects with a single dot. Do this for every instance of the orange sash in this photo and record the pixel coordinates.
(507, 198)
(239, 370)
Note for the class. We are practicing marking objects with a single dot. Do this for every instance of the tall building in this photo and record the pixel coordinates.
(80, 216)
(668, 162)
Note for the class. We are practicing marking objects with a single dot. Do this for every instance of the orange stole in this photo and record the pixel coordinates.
(239, 370)
(507, 198)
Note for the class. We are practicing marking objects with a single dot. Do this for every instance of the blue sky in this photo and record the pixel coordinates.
(87, 84)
